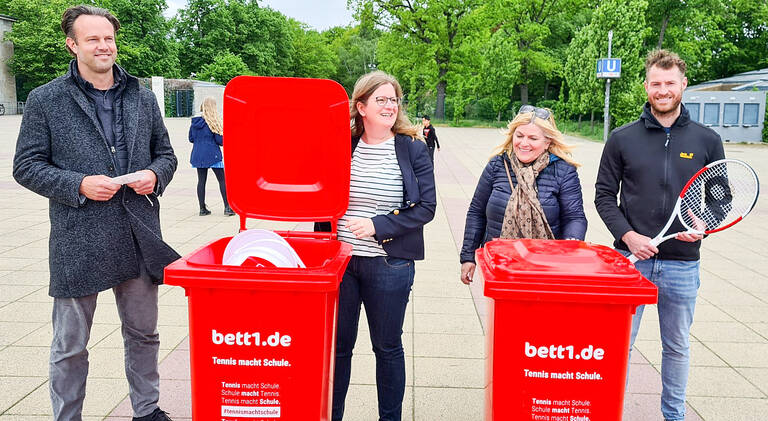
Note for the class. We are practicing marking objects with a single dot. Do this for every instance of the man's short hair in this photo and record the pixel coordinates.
(74, 12)
(664, 59)
(426, 117)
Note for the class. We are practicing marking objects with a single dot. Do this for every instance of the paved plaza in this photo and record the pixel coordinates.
(445, 322)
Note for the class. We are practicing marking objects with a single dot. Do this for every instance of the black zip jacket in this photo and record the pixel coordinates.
(647, 168)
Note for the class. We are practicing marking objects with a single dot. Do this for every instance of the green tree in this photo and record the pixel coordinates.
(585, 91)
(39, 53)
(521, 37)
(500, 72)
(693, 30)
(143, 44)
(312, 56)
(261, 37)
(421, 37)
(627, 20)
(224, 68)
(717, 38)
(356, 52)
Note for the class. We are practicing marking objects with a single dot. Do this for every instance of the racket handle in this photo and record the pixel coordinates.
(632, 258)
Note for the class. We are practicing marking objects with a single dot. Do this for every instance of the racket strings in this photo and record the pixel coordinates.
(718, 196)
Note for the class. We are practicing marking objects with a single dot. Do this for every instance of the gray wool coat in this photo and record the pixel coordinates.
(95, 245)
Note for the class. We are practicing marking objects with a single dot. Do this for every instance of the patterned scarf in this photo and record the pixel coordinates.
(524, 217)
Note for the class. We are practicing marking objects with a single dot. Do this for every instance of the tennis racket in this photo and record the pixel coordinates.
(715, 198)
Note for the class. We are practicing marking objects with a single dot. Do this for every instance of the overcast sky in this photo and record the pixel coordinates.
(319, 14)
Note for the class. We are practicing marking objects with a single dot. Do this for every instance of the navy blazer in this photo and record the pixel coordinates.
(559, 193)
(206, 145)
(401, 232)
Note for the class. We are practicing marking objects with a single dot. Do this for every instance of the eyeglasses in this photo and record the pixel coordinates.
(541, 113)
(383, 100)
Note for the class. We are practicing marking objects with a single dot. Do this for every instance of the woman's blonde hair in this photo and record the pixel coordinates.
(364, 87)
(211, 115)
(557, 145)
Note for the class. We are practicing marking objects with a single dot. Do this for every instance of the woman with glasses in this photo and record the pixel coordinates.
(392, 196)
(529, 189)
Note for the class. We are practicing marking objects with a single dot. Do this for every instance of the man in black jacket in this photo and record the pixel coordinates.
(430, 136)
(79, 132)
(647, 163)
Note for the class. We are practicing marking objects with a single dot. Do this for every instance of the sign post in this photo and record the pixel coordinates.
(608, 68)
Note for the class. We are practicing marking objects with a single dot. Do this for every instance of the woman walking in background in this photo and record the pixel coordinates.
(205, 133)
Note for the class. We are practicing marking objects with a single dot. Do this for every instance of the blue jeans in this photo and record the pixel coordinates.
(383, 285)
(678, 283)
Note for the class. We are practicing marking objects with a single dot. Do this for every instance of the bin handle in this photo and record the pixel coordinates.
(304, 234)
(301, 234)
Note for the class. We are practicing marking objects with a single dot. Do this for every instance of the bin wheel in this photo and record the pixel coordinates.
(2, 109)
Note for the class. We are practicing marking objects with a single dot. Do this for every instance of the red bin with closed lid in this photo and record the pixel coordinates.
(559, 320)
(262, 338)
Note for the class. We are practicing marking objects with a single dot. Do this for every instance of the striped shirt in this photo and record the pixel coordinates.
(376, 188)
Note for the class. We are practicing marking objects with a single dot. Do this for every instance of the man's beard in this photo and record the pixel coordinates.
(671, 109)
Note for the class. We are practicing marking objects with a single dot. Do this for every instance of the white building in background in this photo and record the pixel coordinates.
(7, 79)
(734, 107)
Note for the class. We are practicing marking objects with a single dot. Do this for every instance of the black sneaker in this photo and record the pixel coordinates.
(156, 415)
(204, 211)
(228, 211)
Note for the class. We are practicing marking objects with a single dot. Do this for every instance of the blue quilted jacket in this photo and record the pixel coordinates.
(559, 194)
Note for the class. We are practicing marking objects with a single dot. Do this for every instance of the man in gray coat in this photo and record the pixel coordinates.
(78, 132)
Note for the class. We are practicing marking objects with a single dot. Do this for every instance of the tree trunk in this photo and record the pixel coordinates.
(662, 31)
(578, 127)
(440, 106)
(498, 116)
(524, 93)
(546, 90)
(592, 122)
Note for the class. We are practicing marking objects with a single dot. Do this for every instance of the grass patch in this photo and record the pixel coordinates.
(566, 126)
(572, 128)
(470, 123)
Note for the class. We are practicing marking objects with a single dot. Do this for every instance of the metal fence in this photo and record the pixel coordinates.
(8, 108)
(178, 102)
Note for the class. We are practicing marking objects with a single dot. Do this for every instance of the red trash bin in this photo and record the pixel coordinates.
(262, 339)
(559, 318)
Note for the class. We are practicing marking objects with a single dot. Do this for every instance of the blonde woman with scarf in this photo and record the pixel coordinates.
(529, 189)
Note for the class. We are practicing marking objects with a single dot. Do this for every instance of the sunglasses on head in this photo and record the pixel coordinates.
(541, 113)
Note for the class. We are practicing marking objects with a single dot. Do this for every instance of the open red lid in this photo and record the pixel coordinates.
(287, 148)
(569, 270)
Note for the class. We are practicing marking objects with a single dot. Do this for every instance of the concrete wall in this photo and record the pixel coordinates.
(159, 90)
(7, 80)
(729, 131)
(203, 90)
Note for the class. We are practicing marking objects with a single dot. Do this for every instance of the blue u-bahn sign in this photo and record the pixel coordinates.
(608, 68)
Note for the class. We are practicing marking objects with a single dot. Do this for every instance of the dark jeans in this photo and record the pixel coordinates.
(431, 153)
(383, 285)
(202, 178)
(72, 320)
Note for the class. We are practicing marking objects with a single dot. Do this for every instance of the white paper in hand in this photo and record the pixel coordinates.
(127, 178)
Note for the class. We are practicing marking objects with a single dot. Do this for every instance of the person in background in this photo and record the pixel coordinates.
(392, 196)
(205, 133)
(430, 136)
(645, 164)
(78, 133)
(529, 189)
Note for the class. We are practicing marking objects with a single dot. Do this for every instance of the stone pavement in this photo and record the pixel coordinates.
(444, 328)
